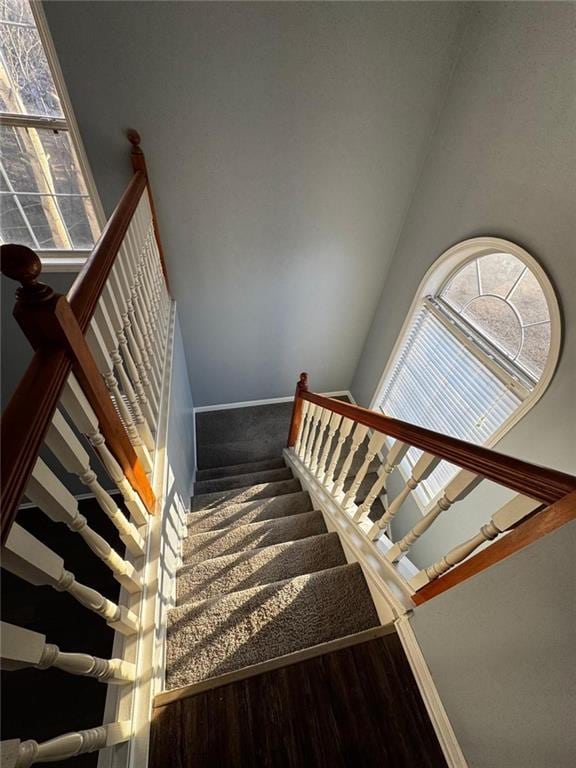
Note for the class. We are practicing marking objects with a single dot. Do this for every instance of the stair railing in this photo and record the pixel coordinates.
(324, 436)
(97, 371)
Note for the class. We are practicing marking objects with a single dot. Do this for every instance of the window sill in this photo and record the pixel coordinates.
(63, 261)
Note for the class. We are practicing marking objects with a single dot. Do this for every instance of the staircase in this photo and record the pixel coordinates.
(261, 576)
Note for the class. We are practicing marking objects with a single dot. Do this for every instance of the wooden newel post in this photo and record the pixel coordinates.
(52, 328)
(301, 386)
(139, 164)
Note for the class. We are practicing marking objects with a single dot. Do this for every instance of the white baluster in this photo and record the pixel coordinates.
(307, 411)
(83, 417)
(140, 302)
(322, 425)
(357, 439)
(29, 559)
(375, 443)
(124, 282)
(21, 648)
(505, 518)
(29, 752)
(105, 366)
(315, 413)
(106, 328)
(425, 465)
(71, 454)
(55, 500)
(393, 458)
(134, 346)
(333, 425)
(456, 490)
(302, 432)
(112, 302)
(343, 431)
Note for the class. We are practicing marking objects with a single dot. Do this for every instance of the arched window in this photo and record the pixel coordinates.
(477, 350)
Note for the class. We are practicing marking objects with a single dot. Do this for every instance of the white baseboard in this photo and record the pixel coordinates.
(266, 401)
(438, 716)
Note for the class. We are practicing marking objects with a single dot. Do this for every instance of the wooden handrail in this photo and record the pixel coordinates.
(24, 424)
(529, 531)
(301, 386)
(87, 287)
(541, 483)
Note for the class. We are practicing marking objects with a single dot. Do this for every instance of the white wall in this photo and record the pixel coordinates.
(283, 141)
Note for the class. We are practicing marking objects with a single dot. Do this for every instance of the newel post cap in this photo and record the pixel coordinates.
(20, 263)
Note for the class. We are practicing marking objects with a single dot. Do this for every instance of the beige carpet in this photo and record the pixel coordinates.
(261, 577)
(246, 512)
(257, 567)
(225, 541)
(216, 636)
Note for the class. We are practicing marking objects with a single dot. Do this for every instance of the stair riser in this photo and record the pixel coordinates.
(242, 481)
(249, 512)
(239, 469)
(266, 491)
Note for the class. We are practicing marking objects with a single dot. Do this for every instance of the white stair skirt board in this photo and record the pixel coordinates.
(266, 401)
(387, 583)
(147, 648)
(438, 716)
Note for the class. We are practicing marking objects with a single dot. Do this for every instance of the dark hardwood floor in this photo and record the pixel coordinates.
(359, 707)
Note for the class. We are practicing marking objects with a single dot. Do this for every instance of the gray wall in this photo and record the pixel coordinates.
(502, 162)
(283, 141)
(16, 352)
(501, 648)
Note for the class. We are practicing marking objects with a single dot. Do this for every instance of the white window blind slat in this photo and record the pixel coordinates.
(439, 384)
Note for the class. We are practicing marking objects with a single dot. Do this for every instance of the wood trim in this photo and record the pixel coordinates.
(430, 696)
(542, 483)
(529, 531)
(139, 166)
(296, 419)
(176, 694)
(86, 289)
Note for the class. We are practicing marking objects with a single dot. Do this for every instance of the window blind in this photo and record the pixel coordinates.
(439, 384)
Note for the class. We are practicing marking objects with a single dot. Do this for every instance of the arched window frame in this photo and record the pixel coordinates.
(435, 279)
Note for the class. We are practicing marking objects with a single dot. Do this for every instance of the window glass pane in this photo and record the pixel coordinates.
(42, 215)
(26, 84)
(40, 165)
(462, 287)
(529, 300)
(497, 321)
(14, 229)
(499, 272)
(535, 348)
(510, 302)
(77, 212)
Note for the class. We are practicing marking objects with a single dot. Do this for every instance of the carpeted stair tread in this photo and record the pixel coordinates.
(261, 491)
(239, 469)
(242, 481)
(258, 567)
(244, 628)
(225, 541)
(249, 512)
